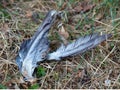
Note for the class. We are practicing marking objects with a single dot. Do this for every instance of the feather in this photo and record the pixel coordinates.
(32, 50)
(78, 46)
(22, 53)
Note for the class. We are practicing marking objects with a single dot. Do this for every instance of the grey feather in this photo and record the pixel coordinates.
(32, 50)
(79, 46)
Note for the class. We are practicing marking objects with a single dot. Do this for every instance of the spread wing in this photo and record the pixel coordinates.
(79, 46)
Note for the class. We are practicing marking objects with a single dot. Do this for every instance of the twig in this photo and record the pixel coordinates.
(104, 59)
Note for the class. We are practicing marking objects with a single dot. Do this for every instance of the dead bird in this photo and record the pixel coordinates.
(36, 48)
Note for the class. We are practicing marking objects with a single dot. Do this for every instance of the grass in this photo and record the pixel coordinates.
(88, 70)
(2, 86)
(34, 86)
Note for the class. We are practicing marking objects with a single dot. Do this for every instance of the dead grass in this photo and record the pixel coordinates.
(97, 68)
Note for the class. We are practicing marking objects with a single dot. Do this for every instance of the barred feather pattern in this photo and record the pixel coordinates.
(34, 49)
(78, 46)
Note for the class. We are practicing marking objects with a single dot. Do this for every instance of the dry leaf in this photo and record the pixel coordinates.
(63, 6)
(83, 6)
(12, 1)
(5, 27)
(69, 70)
(28, 14)
(79, 7)
(99, 16)
(63, 33)
(88, 7)
(80, 74)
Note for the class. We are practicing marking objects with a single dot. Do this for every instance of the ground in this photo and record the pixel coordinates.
(96, 68)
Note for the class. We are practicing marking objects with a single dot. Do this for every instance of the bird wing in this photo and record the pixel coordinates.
(32, 49)
(78, 46)
(22, 52)
(41, 50)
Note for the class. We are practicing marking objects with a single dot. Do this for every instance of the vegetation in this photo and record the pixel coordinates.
(98, 68)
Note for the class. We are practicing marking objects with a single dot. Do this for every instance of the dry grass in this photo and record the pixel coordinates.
(91, 69)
